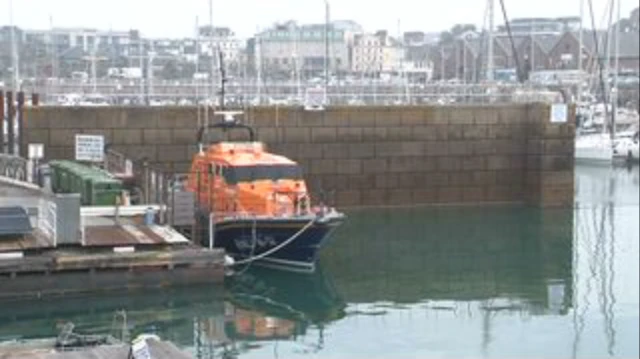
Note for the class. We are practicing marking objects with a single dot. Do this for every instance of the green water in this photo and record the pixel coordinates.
(489, 282)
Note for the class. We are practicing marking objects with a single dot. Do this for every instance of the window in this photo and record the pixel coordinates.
(233, 175)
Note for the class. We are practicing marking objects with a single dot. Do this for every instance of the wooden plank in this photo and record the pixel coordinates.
(138, 235)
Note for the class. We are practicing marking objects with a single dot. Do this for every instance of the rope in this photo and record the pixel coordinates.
(278, 247)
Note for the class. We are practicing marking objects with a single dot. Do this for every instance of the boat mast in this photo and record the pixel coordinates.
(614, 98)
(14, 51)
(490, 42)
(580, 45)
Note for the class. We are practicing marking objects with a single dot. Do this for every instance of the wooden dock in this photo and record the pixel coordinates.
(157, 349)
(77, 271)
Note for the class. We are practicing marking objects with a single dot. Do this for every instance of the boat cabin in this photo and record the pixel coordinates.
(242, 178)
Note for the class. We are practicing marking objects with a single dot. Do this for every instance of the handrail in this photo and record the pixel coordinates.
(225, 126)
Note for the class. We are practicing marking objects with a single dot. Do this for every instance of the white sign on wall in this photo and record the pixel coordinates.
(36, 151)
(559, 113)
(90, 148)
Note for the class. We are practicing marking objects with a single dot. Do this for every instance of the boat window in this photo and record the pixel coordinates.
(238, 174)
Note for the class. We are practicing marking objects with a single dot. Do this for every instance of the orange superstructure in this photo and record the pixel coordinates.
(242, 178)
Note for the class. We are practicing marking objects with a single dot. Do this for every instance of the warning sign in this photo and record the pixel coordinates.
(90, 148)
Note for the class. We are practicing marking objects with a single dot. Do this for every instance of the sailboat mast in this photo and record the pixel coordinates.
(580, 44)
(614, 98)
(14, 51)
(490, 42)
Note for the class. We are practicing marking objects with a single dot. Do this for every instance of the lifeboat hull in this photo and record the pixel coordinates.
(246, 238)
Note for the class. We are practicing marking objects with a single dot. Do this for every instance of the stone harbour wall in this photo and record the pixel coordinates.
(364, 156)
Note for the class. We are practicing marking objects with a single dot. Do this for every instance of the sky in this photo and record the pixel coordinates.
(175, 19)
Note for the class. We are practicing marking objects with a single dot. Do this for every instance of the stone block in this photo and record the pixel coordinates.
(461, 179)
(475, 132)
(423, 133)
(388, 180)
(411, 180)
(349, 134)
(36, 135)
(518, 162)
(461, 115)
(400, 196)
(388, 149)
(498, 193)
(498, 162)
(134, 117)
(399, 133)
(312, 119)
(323, 135)
(322, 166)
(172, 153)
(127, 136)
(333, 182)
(436, 148)
(364, 182)
(297, 134)
(348, 198)
(388, 117)
(183, 136)
(336, 117)
(412, 149)
(486, 116)
(348, 166)
(556, 196)
(309, 150)
(269, 134)
(405, 164)
(379, 197)
(374, 134)
(157, 137)
(436, 179)
(412, 116)
(474, 163)
(362, 150)
(557, 178)
(559, 146)
(452, 132)
(362, 116)
(484, 147)
(375, 165)
(512, 114)
(474, 194)
(60, 137)
(449, 164)
(425, 196)
(484, 178)
(449, 195)
(460, 148)
(557, 163)
(437, 115)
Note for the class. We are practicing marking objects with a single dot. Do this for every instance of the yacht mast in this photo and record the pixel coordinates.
(490, 42)
(614, 98)
(14, 51)
(580, 46)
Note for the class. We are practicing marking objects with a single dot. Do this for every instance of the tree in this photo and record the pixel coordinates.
(448, 37)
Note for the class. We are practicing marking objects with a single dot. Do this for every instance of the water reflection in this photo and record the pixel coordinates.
(445, 282)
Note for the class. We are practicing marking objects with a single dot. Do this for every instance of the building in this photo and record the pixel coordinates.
(377, 53)
(367, 53)
(219, 40)
(542, 25)
(289, 46)
(86, 39)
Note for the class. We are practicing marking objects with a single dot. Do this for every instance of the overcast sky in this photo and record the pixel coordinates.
(163, 18)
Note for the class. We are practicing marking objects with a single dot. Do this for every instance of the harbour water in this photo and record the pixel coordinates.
(473, 282)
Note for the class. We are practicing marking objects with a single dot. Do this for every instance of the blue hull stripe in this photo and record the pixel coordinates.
(238, 241)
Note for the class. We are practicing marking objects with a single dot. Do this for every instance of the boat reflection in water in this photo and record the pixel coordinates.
(265, 304)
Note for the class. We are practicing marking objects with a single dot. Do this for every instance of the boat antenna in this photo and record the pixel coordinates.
(223, 78)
